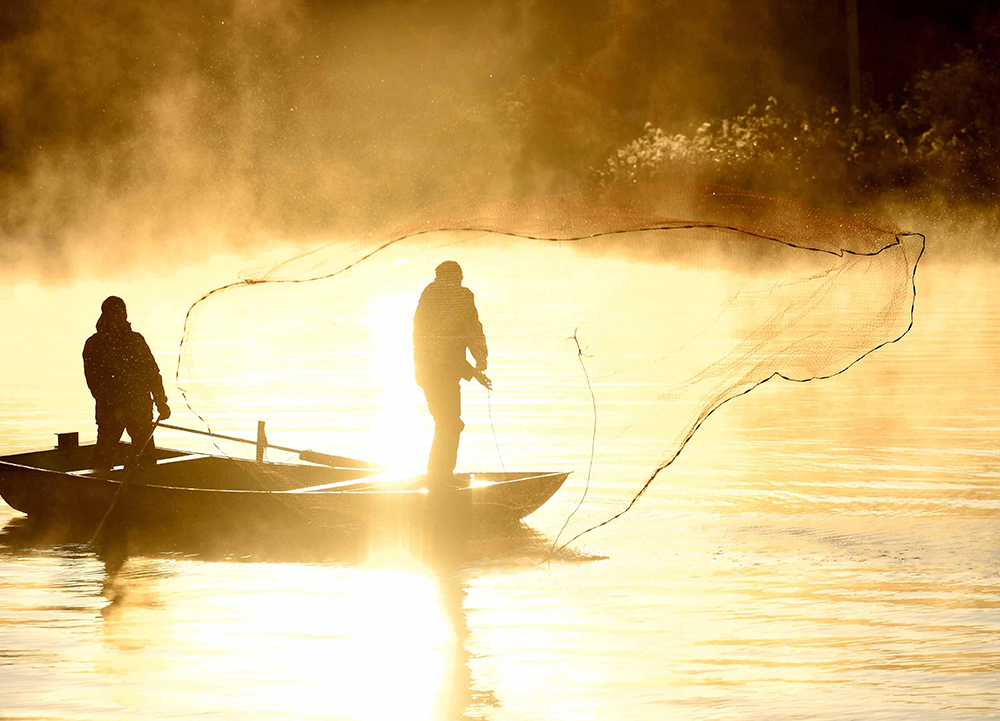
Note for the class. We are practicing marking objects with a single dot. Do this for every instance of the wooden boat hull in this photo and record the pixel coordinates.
(186, 490)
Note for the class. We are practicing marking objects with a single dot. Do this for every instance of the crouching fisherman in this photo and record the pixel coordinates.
(125, 381)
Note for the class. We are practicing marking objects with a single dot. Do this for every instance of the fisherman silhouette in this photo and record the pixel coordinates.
(125, 381)
(445, 324)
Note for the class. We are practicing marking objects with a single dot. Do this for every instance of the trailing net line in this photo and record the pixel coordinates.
(704, 416)
(593, 445)
(865, 247)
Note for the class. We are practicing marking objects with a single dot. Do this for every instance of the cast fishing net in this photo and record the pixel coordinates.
(618, 320)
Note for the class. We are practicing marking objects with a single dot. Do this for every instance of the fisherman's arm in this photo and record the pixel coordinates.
(476, 337)
(94, 371)
(154, 380)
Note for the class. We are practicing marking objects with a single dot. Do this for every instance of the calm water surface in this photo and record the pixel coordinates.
(826, 550)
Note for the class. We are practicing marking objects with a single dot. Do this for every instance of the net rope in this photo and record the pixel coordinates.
(688, 297)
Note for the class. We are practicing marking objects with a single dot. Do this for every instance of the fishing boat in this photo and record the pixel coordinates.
(186, 489)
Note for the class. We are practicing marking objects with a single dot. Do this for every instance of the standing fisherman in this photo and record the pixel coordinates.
(445, 325)
(125, 381)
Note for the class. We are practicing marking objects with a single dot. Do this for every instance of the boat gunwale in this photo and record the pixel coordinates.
(190, 456)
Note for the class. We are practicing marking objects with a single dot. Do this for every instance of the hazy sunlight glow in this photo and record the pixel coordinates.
(324, 642)
(402, 424)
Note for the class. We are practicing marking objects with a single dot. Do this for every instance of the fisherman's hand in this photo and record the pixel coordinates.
(164, 410)
(483, 380)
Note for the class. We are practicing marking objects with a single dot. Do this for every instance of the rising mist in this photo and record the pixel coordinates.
(154, 126)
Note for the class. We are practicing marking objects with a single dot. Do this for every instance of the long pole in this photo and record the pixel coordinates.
(228, 438)
(307, 455)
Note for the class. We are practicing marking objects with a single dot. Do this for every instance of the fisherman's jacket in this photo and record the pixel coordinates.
(445, 324)
(121, 372)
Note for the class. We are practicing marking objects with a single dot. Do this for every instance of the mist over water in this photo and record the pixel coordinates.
(820, 550)
(158, 130)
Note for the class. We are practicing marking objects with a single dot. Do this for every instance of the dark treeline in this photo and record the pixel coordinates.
(156, 122)
(938, 139)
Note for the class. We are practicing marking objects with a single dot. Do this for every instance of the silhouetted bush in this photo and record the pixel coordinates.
(942, 139)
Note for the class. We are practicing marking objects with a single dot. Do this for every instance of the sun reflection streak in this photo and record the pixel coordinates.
(402, 424)
(372, 644)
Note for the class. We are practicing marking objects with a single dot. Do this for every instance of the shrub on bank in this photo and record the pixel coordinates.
(942, 140)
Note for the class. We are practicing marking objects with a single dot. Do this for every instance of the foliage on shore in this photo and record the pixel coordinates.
(941, 140)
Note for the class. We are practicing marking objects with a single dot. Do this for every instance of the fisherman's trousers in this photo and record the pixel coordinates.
(444, 401)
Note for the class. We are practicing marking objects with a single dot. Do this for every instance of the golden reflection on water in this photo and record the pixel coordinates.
(291, 640)
(826, 550)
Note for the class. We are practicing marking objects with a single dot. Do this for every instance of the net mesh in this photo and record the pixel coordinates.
(618, 320)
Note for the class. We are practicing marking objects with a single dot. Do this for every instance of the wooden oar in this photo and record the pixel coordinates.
(323, 459)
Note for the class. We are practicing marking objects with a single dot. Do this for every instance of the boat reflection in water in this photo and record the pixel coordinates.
(368, 624)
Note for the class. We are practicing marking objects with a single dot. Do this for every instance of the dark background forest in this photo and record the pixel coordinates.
(150, 124)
